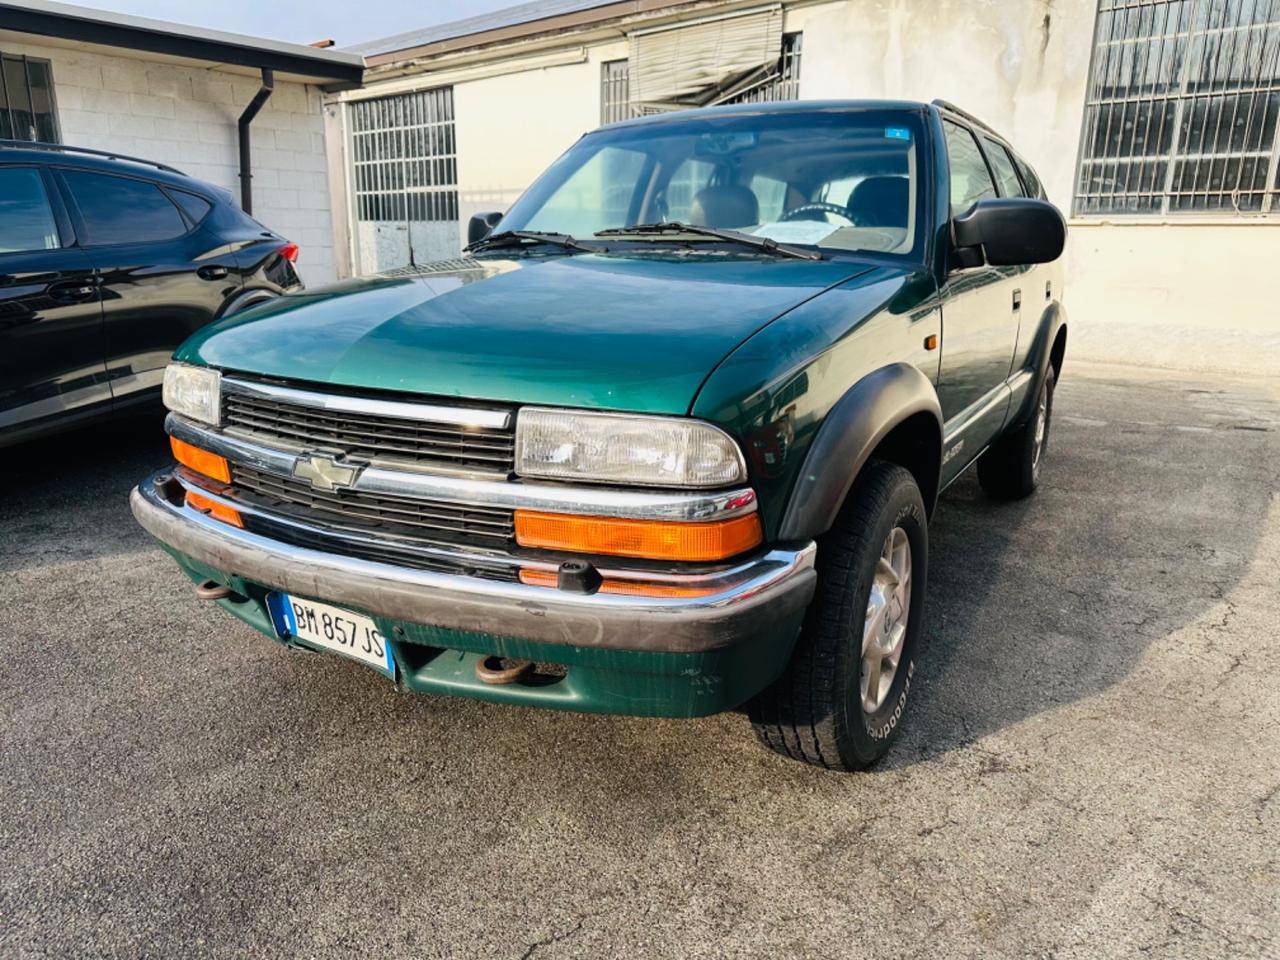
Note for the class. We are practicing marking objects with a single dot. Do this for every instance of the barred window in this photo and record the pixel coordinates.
(781, 82)
(615, 91)
(1181, 109)
(27, 109)
(404, 157)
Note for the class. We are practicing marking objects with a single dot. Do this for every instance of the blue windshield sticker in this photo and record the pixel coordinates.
(897, 133)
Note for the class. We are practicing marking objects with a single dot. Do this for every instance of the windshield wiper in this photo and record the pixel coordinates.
(517, 238)
(733, 236)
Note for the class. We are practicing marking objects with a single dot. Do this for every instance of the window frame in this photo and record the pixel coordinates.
(26, 73)
(977, 140)
(78, 220)
(1184, 89)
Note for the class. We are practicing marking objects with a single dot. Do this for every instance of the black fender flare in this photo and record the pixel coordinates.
(868, 412)
(1052, 320)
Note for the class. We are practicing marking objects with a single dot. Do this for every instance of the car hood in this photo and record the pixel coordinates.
(617, 331)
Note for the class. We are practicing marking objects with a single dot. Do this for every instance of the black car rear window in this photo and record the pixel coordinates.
(196, 208)
(123, 210)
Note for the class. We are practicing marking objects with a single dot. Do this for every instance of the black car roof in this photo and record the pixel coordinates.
(101, 161)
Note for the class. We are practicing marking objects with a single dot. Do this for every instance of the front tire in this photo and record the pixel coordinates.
(841, 700)
(1010, 469)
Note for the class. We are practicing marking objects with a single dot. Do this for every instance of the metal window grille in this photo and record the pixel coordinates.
(615, 91)
(404, 158)
(27, 107)
(1182, 107)
(781, 84)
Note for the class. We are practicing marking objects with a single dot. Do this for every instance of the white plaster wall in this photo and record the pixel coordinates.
(1185, 296)
(511, 127)
(187, 118)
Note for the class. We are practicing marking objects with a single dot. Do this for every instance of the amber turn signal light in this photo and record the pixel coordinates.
(647, 539)
(625, 588)
(201, 461)
(219, 511)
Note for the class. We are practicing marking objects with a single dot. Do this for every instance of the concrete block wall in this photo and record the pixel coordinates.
(186, 118)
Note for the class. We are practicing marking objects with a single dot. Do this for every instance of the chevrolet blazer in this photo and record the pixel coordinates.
(665, 441)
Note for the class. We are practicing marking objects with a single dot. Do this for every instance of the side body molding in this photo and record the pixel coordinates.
(871, 409)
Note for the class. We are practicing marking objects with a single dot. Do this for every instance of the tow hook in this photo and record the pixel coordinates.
(212, 590)
(491, 669)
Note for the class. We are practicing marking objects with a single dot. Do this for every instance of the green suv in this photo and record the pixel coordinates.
(665, 442)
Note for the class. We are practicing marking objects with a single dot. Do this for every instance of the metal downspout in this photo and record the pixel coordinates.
(246, 118)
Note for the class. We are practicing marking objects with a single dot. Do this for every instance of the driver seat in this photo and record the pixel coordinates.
(880, 202)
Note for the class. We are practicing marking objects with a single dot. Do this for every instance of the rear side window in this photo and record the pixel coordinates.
(123, 210)
(26, 220)
(970, 179)
(196, 208)
(1034, 187)
(1002, 164)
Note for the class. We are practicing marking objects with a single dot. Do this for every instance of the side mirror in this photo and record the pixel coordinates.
(481, 225)
(1012, 231)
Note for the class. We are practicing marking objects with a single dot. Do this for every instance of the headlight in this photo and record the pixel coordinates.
(193, 392)
(625, 448)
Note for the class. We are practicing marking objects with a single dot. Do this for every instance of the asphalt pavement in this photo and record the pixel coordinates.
(1091, 767)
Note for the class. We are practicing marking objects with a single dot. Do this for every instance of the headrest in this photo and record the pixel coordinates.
(729, 205)
(881, 202)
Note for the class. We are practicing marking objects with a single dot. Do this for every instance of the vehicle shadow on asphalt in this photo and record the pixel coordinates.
(1051, 600)
(64, 497)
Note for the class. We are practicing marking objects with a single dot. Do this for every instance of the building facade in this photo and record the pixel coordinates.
(1153, 124)
(174, 94)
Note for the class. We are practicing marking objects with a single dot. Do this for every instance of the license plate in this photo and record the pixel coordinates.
(332, 628)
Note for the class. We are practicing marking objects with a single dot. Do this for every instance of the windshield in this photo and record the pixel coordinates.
(831, 179)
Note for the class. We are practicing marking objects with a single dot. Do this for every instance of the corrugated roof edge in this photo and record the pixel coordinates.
(497, 20)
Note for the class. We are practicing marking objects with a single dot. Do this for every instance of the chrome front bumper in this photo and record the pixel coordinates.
(747, 600)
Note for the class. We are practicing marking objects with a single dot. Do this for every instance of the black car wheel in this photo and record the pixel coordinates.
(842, 698)
(1010, 469)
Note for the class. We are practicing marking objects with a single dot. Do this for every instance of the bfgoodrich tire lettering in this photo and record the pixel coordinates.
(815, 711)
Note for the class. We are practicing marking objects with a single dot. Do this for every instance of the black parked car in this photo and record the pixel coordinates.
(106, 264)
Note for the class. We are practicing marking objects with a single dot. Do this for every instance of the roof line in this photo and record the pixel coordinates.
(511, 23)
(71, 22)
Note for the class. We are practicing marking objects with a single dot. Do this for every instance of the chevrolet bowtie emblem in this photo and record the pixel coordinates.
(324, 473)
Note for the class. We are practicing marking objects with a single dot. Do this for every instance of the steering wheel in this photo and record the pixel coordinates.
(798, 213)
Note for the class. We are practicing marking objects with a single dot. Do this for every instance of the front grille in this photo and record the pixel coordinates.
(369, 436)
(409, 521)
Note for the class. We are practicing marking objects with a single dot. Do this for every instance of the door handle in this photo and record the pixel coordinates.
(212, 271)
(72, 292)
(1017, 300)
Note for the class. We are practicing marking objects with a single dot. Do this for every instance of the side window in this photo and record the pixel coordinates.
(26, 220)
(123, 210)
(970, 179)
(1034, 187)
(1002, 164)
(196, 208)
